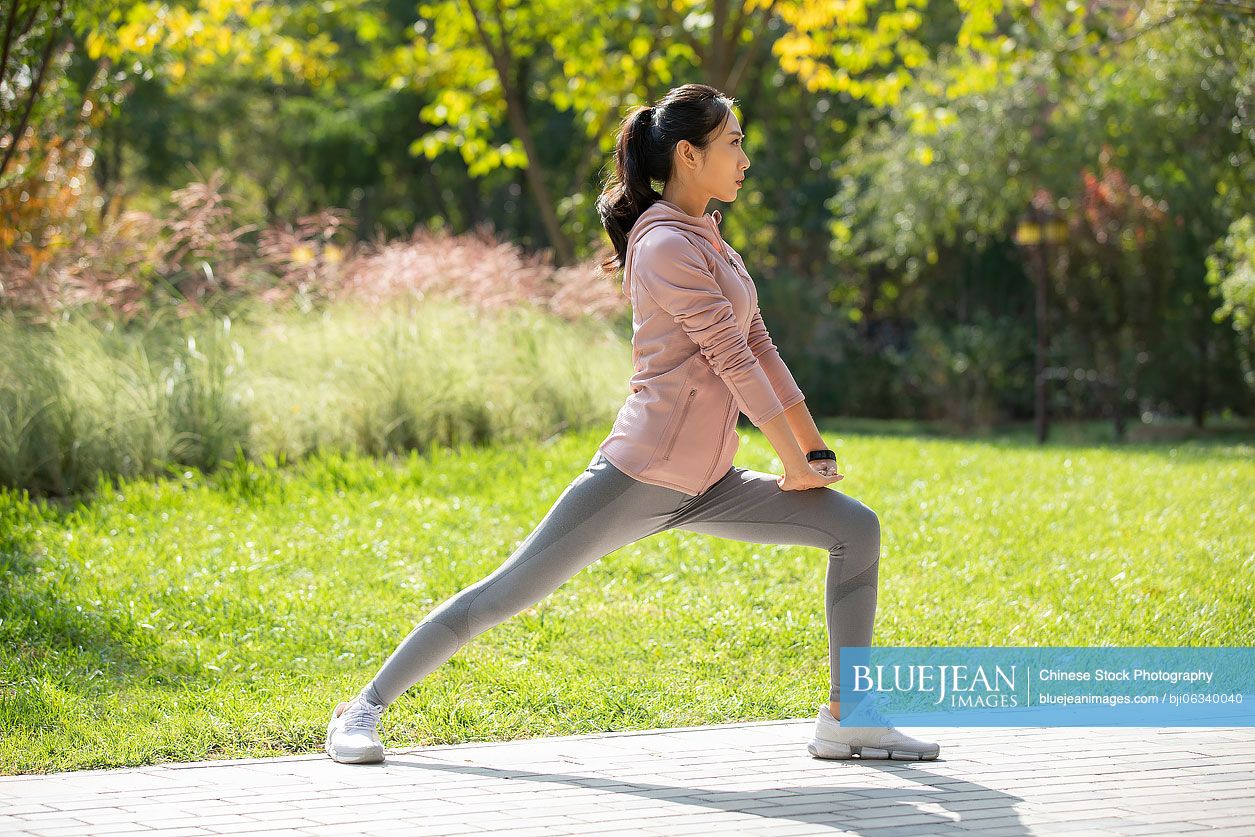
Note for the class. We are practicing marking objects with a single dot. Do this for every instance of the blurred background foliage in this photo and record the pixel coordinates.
(246, 159)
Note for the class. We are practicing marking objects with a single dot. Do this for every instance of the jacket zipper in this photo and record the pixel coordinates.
(740, 275)
(722, 439)
(680, 423)
(723, 247)
(736, 268)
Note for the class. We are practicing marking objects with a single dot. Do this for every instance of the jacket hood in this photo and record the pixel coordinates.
(665, 213)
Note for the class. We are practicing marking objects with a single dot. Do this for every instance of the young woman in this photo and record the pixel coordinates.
(702, 355)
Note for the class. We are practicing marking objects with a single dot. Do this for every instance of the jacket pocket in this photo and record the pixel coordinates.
(679, 424)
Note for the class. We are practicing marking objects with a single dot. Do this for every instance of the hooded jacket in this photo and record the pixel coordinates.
(700, 352)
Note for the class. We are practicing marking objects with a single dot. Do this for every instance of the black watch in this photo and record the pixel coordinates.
(820, 454)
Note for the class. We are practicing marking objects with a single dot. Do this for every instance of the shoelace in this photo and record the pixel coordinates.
(361, 716)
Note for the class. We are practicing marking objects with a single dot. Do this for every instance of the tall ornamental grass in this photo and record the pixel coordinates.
(82, 398)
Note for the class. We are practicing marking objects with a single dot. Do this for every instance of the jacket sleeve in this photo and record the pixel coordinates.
(676, 276)
(768, 355)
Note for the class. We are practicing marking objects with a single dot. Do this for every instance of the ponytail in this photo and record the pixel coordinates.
(631, 190)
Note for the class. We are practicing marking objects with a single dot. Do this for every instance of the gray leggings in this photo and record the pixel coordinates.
(604, 509)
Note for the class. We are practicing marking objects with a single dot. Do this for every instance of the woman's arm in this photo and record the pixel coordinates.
(784, 439)
(803, 427)
(760, 343)
(798, 415)
(793, 434)
(674, 273)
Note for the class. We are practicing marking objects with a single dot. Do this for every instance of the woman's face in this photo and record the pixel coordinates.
(723, 163)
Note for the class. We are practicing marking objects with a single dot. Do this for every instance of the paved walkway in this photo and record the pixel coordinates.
(752, 778)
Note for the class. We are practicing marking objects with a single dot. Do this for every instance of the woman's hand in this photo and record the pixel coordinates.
(820, 472)
(827, 467)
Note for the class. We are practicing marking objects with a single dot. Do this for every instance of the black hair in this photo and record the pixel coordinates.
(644, 151)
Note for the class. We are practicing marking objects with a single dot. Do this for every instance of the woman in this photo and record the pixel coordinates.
(701, 356)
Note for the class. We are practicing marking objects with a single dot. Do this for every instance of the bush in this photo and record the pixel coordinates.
(965, 370)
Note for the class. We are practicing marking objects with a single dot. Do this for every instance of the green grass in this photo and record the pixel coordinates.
(223, 615)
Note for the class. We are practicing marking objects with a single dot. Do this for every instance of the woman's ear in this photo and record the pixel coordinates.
(687, 154)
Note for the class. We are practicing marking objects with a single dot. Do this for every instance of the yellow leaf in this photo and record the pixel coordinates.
(514, 157)
(368, 29)
(95, 45)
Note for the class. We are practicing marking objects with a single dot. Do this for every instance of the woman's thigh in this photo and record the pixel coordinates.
(600, 511)
(748, 505)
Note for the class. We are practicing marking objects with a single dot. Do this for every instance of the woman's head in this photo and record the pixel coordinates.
(689, 141)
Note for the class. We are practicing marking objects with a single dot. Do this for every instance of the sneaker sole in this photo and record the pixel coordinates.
(831, 750)
(370, 756)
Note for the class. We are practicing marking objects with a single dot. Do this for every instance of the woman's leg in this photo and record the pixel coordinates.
(749, 506)
(602, 510)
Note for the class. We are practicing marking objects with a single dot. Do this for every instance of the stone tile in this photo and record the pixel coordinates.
(748, 778)
(287, 824)
(42, 823)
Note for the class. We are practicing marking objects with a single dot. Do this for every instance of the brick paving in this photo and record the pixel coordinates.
(750, 778)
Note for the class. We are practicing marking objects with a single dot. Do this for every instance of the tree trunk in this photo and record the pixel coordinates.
(1115, 390)
(503, 62)
(545, 205)
(1204, 361)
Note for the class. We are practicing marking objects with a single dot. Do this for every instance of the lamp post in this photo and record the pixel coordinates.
(1037, 230)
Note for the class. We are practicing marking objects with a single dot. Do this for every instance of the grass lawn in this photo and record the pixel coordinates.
(224, 615)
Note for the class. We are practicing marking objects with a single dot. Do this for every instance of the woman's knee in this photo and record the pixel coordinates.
(856, 523)
(871, 523)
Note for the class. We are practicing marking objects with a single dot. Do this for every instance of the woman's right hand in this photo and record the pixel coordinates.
(819, 473)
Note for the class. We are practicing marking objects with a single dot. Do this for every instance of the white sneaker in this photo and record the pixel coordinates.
(833, 741)
(351, 734)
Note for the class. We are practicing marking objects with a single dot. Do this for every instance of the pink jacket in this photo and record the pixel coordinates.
(700, 351)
